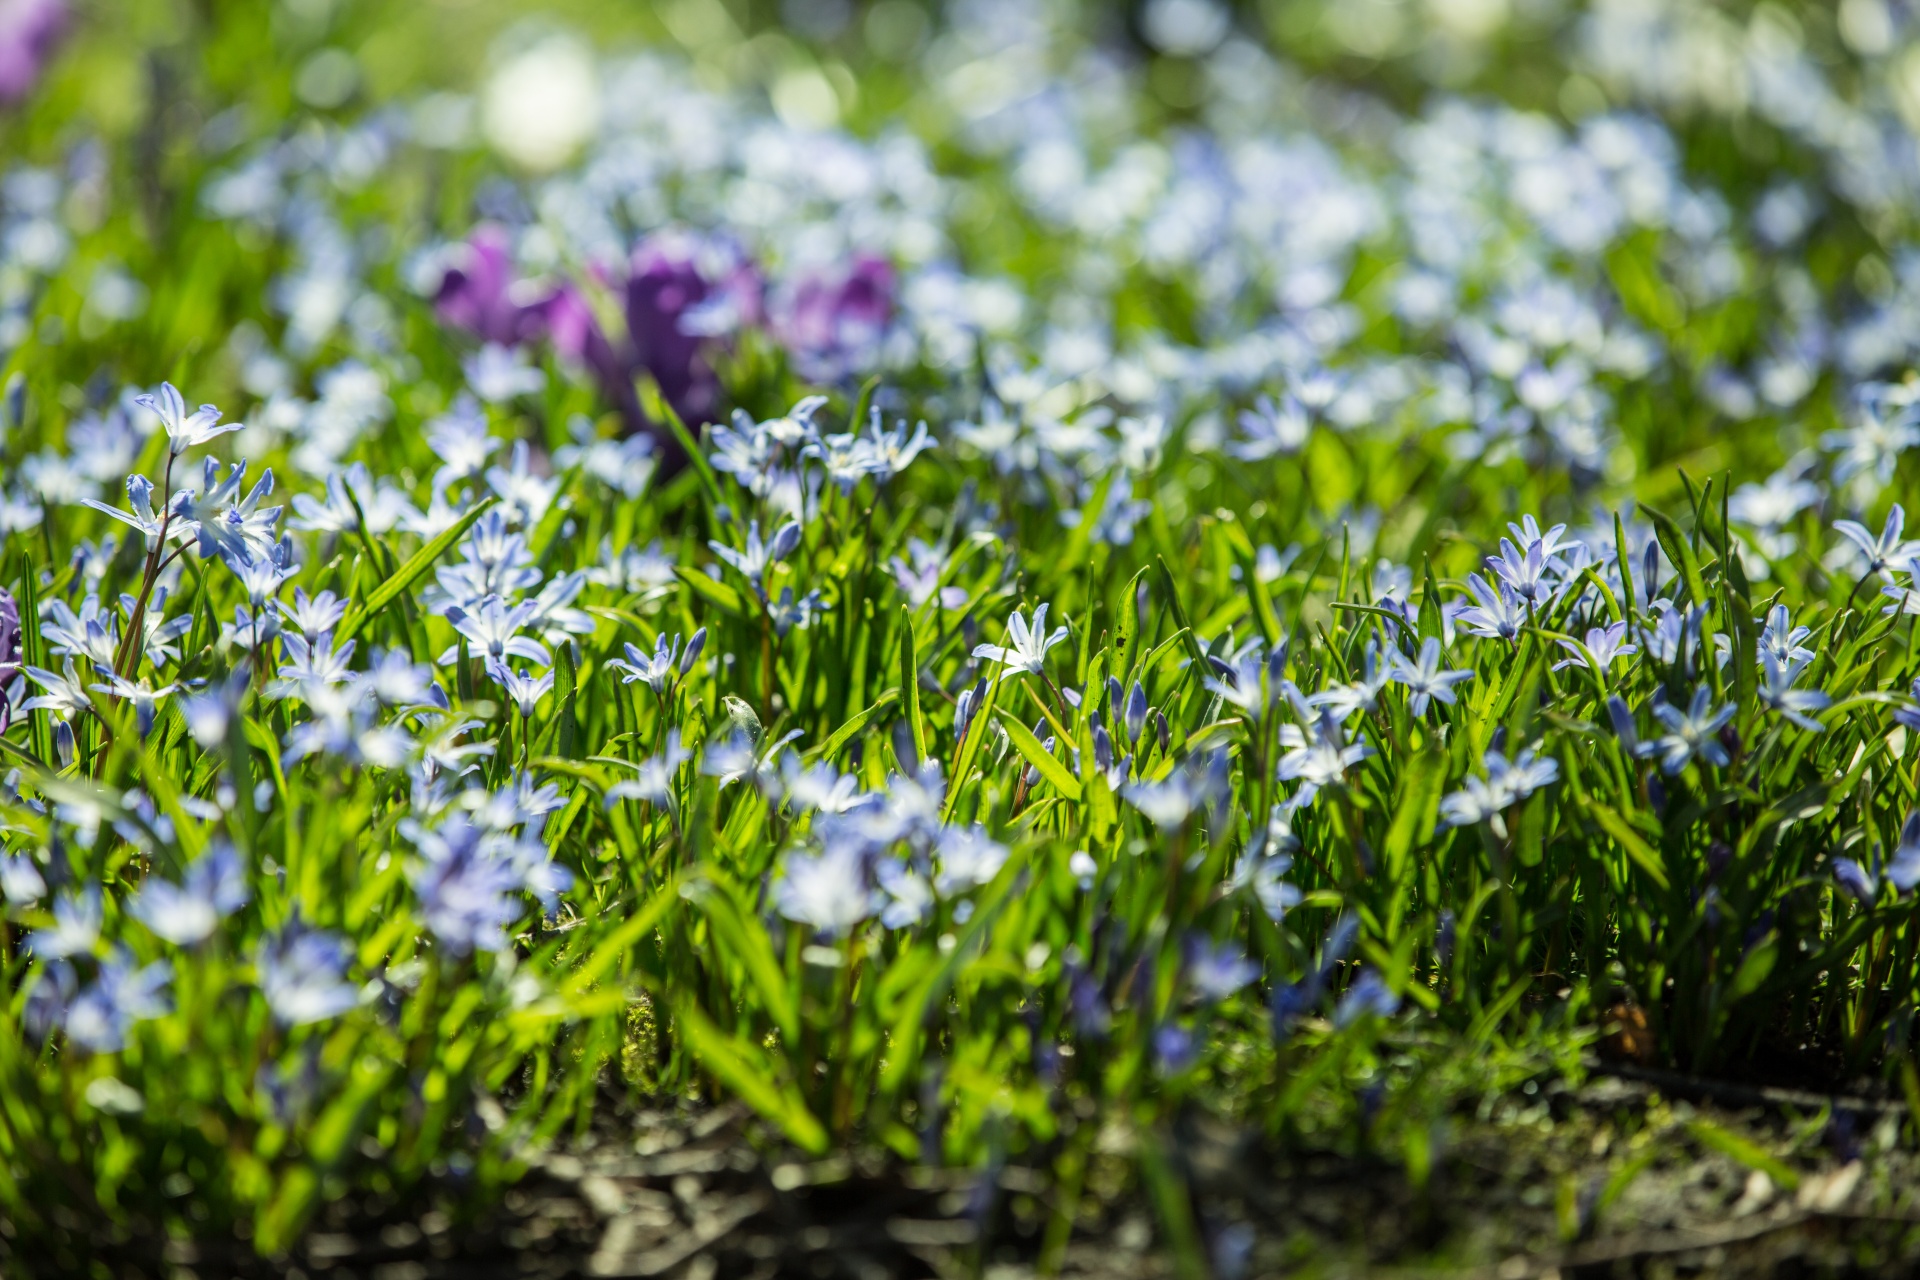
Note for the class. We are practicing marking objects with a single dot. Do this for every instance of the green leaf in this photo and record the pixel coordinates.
(745, 1070)
(1755, 967)
(718, 594)
(613, 948)
(33, 650)
(1415, 809)
(409, 572)
(855, 723)
(1038, 756)
(742, 939)
(970, 747)
(904, 1043)
(1645, 855)
(695, 457)
(857, 416)
(566, 685)
(1126, 625)
(910, 682)
(1194, 650)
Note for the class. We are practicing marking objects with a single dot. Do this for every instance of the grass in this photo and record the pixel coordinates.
(1158, 874)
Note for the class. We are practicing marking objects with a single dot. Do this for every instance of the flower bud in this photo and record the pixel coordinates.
(692, 655)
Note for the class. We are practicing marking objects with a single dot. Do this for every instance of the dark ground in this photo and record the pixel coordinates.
(1635, 1175)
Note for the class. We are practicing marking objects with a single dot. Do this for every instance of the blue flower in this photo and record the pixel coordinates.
(1852, 879)
(1215, 970)
(99, 1017)
(465, 889)
(827, 891)
(184, 430)
(1693, 732)
(77, 918)
(1497, 612)
(302, 973)
(186, 914)
(1026, 647)
(1175, 1048)
(1507, 783)
(1369, 996)
(1425, 677)
(1903, 868)
(1605, 644)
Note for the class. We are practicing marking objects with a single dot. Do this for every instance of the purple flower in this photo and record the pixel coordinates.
(678, 294)
(30, 31)
(833, 322)
(9, 653)
(664, 289)
(481, 295)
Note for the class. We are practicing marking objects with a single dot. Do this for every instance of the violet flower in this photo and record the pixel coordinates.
(833, 322)
(482, 296)
(9, 653)
(30, 32)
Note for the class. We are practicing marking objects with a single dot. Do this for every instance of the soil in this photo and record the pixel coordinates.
(1633, 1174)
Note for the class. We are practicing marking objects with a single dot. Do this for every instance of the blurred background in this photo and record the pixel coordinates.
(1628, 223)
(864, 62)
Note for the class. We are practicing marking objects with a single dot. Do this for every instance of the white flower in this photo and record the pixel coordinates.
(1886, 550)
(969, 857)
(827, 890)
(1027, 647)
(184, 430)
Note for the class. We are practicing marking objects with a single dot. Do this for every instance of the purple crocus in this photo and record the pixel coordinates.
(832, 321)
(678, 294)
(9, 653)
(480, 293)
(30, 31)
(664, 288)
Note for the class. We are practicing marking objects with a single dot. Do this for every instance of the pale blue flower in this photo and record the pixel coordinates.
(1606, 644)
(1777, 691)
(186, 914)
(493, 627)
(968, 858)
(1026, 647)
(1497, 612)
(827, 891)
(1216, 970)
(523, 689)
(1426, 677)
(1886, 550)
(1507, 783)
(1693, 732)
(100, 1016)
(184, 430)
(302, 973)
(142, 515)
